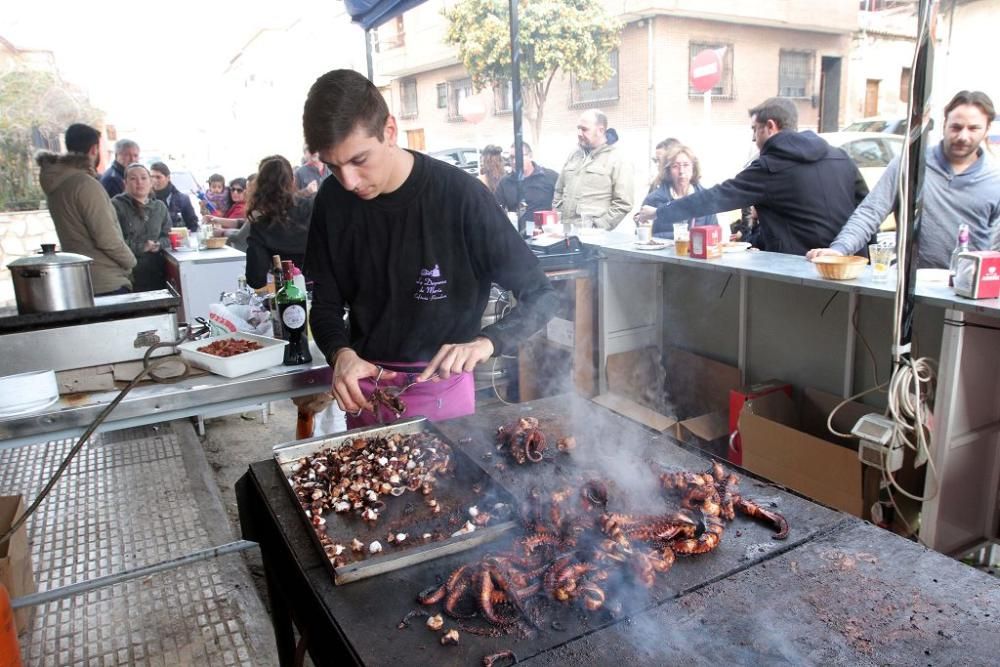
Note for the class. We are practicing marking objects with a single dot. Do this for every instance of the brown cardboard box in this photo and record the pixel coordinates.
(655, 391)
(790, 445)
(15, 558)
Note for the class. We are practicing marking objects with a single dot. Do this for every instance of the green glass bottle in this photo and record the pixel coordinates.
(292, 313)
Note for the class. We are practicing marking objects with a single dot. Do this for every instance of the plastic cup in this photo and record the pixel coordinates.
(881, 257)
(681, 229)
(644, 233)
(175, 240)
(682, 244)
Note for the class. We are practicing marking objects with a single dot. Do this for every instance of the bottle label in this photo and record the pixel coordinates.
(294, 317)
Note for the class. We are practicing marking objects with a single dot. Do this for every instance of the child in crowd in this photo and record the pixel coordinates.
(216, 195)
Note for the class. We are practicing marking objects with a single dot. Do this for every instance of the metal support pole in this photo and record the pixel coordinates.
(743, 353)
(101, 582)
(518, 105)
(368, 55)
(850, 346)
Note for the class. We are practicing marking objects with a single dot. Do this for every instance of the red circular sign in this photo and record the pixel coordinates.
(706, 70)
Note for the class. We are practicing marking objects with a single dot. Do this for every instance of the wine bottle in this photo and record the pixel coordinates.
(277, 280)
(292, 313)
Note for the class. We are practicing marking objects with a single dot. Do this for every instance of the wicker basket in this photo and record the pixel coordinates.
(834, 267)
(216, 242)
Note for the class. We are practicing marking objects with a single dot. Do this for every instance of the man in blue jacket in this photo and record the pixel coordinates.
(803, 189)
(126, 153)
(961, 184)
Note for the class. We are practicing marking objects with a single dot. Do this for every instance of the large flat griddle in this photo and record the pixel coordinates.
(466, 485)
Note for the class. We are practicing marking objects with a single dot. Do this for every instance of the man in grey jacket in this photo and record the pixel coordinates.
(961, 184)
(84, 220)
(595, 187)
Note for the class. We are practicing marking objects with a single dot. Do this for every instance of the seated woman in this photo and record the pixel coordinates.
(681, 176)
(278, 219)
(229, 222)
(145, 225)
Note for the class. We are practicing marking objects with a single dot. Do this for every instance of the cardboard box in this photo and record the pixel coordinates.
(706, 242)
(655, 392)
(737, 399)
(790, 445)
(560, 331)
(15, 559)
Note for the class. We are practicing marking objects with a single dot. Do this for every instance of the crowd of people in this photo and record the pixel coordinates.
(800, 195)
(122, 217)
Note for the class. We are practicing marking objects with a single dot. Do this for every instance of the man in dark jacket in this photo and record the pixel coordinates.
(113, 180)
(803, 189)
(178, 203)
(539, 186)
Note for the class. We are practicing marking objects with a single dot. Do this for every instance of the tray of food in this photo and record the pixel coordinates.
(378, 499)
(234, 354)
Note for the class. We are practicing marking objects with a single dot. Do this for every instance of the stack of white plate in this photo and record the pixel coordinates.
(27, 392)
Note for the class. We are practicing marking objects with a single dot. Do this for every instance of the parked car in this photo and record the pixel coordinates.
(872, 152)
(464, 158)
(889, 125)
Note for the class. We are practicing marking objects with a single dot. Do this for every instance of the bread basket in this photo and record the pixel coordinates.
(834, 267)
(215, 242)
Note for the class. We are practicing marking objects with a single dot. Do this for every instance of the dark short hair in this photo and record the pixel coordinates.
(668, 143)
(160, 167)
(239, 182)
(976, 98)
(81, 138)
(339, 102)
(779, 109)
(525, 148)
(216, 178)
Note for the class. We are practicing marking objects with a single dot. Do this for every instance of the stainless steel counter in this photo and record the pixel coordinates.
(799, 271)
(152, 403)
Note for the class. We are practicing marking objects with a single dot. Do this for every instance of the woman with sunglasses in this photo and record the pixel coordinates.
(230, 222)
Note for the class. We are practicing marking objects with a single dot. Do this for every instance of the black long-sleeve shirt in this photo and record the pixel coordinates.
(269, 237)
(804, 191)
(415, 267)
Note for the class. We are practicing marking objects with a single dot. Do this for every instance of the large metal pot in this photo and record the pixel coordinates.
(52, 281)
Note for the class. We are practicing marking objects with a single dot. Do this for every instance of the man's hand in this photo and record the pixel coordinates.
(151, 246)
(646, 214)
(823, 252)
(348, 368)
(457, 358)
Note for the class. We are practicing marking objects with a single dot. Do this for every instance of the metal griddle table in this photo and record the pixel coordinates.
(837, 591)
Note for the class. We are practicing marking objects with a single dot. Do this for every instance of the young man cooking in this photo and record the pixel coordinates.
(410, 247)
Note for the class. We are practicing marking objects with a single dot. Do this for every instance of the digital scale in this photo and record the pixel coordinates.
(555, 251)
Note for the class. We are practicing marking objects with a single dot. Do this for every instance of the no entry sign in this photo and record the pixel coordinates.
(706, 70)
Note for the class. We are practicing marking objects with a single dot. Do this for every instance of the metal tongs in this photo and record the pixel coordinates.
(392, 392)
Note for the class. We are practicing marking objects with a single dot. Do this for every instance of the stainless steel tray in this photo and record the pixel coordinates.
(467, 484)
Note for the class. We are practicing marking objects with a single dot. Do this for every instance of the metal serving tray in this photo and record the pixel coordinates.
(407, 513)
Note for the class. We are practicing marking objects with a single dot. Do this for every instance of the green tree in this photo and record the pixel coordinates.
(35, 109)
(574, 36)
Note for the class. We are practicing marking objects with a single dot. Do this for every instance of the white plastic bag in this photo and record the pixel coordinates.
(224, 319)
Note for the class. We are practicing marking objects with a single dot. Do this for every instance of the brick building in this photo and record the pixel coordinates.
(796, 49)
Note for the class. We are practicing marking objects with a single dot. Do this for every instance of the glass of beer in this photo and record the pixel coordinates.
(682, 239)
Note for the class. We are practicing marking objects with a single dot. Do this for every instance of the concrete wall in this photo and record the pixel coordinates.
(21, 234)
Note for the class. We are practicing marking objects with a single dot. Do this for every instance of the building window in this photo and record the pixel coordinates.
(442, 94)
(587, 92)
(795, 73)
(725, 87)
(904, 85)
(503, 98)
(389, 35)
(458, 90)
(408, 98)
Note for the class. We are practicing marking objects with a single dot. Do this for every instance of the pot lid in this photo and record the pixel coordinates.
(49, 257)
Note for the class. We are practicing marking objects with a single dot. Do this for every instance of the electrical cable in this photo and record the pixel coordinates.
(148, 369)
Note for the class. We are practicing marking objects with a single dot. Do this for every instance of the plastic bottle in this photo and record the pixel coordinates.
(960, 247)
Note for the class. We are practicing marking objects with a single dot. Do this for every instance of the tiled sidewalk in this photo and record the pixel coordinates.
(130, 499)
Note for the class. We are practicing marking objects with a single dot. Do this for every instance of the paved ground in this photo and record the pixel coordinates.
(130, 499)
